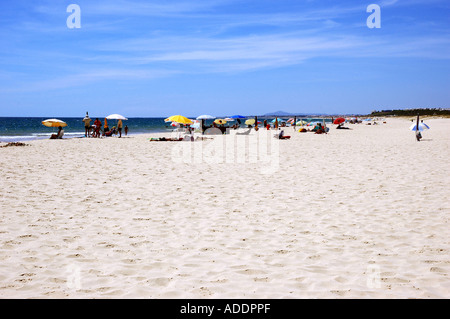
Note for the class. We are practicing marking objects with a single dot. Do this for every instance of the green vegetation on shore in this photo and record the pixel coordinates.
(412, 112)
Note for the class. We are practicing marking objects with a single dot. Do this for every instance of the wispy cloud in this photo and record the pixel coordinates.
(134, 7)
(271, 50)
(84, 78)
(212, 41)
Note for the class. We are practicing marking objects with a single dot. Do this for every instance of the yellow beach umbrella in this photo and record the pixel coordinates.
(220, 121)
(179, 119)
(54, 123)
(250, 122)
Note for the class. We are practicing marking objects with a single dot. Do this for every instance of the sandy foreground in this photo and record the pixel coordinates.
(361, 213)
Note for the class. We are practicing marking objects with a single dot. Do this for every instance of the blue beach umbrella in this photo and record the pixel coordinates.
(238, 117)
(422, 126)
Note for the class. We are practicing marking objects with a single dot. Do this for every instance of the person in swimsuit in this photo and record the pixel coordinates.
(119, 127)
(98, 125)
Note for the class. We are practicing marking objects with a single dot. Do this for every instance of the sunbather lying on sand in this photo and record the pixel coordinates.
(165, 139)
(281, 136)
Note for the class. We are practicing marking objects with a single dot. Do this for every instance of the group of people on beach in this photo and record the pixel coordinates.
(236, 126)
(96, 129)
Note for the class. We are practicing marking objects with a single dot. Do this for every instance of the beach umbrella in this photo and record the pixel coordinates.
(220, 121)
(205, 117)
(229, 119)
(422, 126)
(179, 119)
(116, 117)
(277, 120)
(339, 120)
(250, 122)
(196, 124)
(301, 123)
(317, 126)
(54, 123)
(238, 117)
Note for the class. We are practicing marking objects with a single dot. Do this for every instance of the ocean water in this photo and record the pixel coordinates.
(16, 129)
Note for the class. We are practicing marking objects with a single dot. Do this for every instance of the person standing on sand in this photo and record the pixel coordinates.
(87, 125)
(98, 125)
(105, 127)
(119, 127)
(418, 135)
(126, 130)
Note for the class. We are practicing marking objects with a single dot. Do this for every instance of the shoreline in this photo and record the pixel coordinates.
(66, 137)
(29, 136)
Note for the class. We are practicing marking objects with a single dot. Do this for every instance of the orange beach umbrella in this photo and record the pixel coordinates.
(54, 123)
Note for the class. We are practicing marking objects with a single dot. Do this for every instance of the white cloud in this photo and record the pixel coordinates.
(85, 78)
(215, 47)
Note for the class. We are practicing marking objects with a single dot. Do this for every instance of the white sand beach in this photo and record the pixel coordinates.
(360, 213)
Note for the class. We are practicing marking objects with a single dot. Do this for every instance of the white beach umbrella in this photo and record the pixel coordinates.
(196, 124)
(116, 117)
(206, 117)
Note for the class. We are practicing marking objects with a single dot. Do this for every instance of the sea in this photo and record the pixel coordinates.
(17, 129)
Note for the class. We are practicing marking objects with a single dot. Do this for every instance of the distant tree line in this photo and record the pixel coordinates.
(412, 112)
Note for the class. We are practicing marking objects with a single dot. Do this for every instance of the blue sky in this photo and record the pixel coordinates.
(222, 57)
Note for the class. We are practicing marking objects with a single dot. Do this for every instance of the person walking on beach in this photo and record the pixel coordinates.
(87, 125)
(126, 130)
(418, 135)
